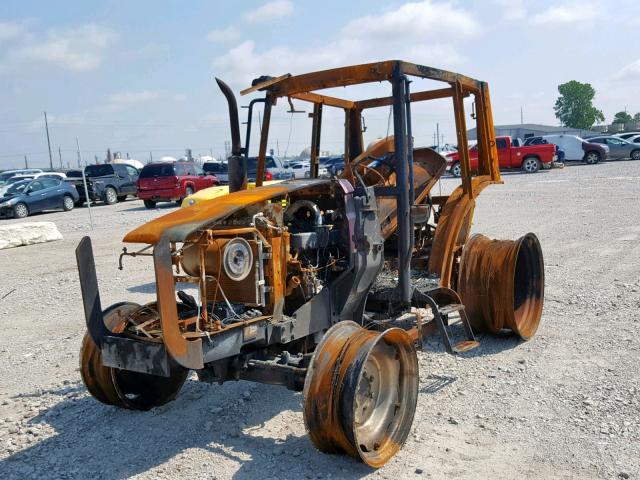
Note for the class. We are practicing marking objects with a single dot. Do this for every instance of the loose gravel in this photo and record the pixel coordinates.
(564, 405)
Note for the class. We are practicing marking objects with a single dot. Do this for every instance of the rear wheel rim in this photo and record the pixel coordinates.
(111, 195)
(530, 165)
(635, 155)
(68, 203)
(456, 170)
(592, 158)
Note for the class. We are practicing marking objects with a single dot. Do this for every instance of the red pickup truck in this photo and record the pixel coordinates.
(529, 159)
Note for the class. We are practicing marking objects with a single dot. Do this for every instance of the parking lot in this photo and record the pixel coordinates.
(564, 405)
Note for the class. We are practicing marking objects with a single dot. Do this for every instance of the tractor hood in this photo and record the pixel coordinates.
(178, 225)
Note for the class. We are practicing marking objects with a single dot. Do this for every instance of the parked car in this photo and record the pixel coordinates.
(335, 165)
(578, 149)
(21, 200)
(219, 169)
(627, 135)
(7, 174)
(529, 159)
(109, 182)
(542, 141)
(274, 169)
(635, 139)
(619, 147)
(31, 176)
(171, 182)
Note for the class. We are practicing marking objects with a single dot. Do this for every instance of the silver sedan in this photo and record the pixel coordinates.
(619, 147)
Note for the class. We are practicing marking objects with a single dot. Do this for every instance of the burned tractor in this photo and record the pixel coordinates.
(325, 286)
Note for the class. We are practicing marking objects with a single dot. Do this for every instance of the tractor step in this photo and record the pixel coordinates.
(465, 346)
(451, 308)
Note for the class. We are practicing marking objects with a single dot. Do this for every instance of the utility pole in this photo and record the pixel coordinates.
(150, 157)
(46, 126)
(26, 162)
(60, 155)
(84, 182)
(438, 134)
(521, 116)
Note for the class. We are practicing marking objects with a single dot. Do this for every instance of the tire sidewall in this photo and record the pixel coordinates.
(592, 154)
(635, 155)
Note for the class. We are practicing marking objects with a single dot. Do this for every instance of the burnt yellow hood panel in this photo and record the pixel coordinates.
(178, 225)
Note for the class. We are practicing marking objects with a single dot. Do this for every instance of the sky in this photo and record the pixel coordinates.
(138, 77)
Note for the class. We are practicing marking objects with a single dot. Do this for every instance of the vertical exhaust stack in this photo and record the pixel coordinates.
(237, 161)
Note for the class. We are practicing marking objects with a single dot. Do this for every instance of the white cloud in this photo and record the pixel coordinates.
(224, 35)
(9, 30)
(512, 9)
(423, 32)
(75, 49)
(583, 13)
(628, 72)
(269, 11)
(415, 20)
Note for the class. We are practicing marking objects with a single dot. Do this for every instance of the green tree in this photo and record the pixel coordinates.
(574, 107)
(622, 117)
(636, 117)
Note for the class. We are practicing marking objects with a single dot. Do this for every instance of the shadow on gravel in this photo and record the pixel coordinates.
(93, 440)
(489, 344)
(161, 206)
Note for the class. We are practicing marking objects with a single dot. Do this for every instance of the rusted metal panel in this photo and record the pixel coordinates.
(264, 138)
(501, 283)
(415, 97)
(325, 100)
(265, 84)
(463, 146)
(187, 353)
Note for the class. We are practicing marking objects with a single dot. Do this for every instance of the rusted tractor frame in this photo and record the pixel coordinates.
(292, 279)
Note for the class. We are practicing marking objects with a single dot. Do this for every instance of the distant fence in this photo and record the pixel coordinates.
(618, 127)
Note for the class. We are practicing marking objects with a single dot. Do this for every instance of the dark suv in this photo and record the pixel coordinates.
(110, 182)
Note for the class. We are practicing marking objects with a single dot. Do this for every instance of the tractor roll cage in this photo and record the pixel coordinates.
(303, 87)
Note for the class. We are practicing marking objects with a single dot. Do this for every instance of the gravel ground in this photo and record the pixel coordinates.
(564, 405)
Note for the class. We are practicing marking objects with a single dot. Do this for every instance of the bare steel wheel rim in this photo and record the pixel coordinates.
(360, 392)
(377, 397)
(592, 158)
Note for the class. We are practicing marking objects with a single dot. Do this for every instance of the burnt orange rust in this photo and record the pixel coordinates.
(187, 353)
(180, 224)
(453, 229)
(113, 386)
(501, 283)
(330, 384)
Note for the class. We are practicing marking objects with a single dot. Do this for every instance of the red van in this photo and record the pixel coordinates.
(171, 182)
